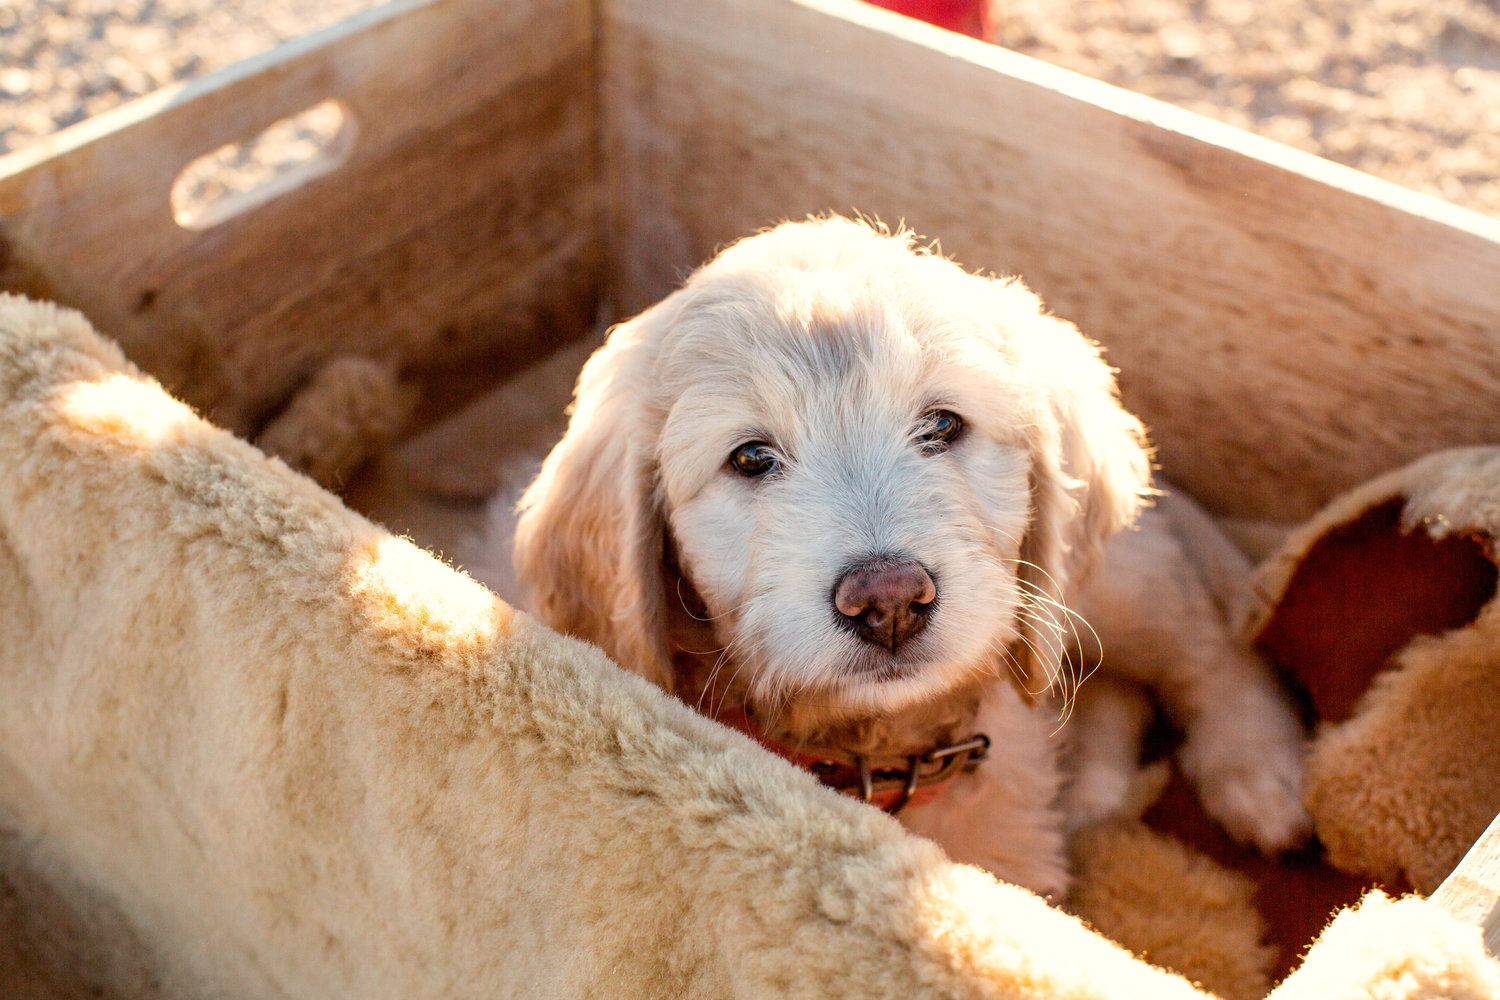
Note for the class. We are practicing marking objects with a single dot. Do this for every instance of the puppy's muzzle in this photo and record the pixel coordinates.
(886, 603)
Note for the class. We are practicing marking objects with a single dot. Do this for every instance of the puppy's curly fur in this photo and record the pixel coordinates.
(897, 410)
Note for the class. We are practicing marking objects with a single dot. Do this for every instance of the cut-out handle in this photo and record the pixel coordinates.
(235, 178)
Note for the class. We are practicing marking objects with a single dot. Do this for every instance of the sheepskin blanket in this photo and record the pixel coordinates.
(1384, 608)
(303, 759)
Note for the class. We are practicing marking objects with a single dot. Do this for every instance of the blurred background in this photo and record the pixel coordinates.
(1408, 90)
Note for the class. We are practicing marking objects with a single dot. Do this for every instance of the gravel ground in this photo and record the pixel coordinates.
(1406, 89)
(62, 61)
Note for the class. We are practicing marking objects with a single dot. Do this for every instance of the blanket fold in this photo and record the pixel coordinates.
(303, 758)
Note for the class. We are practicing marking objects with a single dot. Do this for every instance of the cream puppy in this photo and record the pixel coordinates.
(839, 492)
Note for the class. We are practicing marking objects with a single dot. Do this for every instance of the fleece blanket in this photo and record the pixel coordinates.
(301, 758)
(1384, 607)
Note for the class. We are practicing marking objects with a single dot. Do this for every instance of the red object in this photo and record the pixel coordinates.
(971, 17)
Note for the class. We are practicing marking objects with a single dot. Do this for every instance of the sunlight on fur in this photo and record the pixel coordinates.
(405, 590)
(123, 407)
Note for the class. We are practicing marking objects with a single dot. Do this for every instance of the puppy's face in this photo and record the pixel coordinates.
(846, 476)
(879, 473)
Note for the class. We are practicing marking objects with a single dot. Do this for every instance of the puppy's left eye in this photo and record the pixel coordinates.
(938, 430)
(753, 459)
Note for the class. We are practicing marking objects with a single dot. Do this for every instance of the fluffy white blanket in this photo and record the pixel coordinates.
(304, 759)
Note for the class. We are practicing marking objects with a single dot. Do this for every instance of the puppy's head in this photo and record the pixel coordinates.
(871, 475)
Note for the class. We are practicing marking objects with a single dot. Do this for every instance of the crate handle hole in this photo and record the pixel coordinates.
(235, 178)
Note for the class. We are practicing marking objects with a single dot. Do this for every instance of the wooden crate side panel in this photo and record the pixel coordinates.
(1287, 327)
(1472, 892)
(463, 224)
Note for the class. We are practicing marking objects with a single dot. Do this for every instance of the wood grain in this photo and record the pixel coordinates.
(1472, 892)
(1287, 327)
(469, 187)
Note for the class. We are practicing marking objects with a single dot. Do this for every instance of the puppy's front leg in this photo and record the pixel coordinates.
(1159, 625)
(1106, 727)
(1004, 816)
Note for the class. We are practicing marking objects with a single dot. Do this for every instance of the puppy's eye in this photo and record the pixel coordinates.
(938, 430)
(753, 459)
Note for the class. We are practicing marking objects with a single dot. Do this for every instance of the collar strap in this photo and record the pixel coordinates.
(892, 783)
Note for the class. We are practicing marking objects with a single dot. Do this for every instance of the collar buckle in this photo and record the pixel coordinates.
(901, 784)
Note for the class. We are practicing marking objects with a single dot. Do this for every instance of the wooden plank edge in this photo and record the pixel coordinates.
(1151, 111)
(1135, 107)
(1471, 893)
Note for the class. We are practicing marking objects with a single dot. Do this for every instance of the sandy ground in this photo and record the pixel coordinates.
(62, 61)
(1408, 90)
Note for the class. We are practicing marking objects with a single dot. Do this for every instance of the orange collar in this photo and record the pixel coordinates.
(892, 783)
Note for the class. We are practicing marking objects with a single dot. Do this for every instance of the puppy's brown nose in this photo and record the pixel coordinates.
(886, 603)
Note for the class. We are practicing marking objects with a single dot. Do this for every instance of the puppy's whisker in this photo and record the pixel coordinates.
(1060, 642)
(1028, 564)
(717, 651)
(713, 675)
(1066, 709)
(1039, 599)
(734, 680)
(1006, 659)
(683, 603)
(1022, 580)
(1074, 621)
(1045, 621)
(1041, 612)
(1017, 671)
(772, 706)
(1048, 634)
(726, 656)
(1008, 536)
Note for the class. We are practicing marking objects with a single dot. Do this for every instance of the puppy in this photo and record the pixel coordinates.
(838, 492)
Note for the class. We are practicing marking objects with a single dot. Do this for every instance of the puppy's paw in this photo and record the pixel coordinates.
(1095, 794)
(1253, 791)
(1099, 794)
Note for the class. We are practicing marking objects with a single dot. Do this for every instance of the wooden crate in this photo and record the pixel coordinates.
(1287, 327)
(460, 226)
(512, 171)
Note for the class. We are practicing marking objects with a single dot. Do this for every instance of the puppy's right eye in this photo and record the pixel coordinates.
(753, 459)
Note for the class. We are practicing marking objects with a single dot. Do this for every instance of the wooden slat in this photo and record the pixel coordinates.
(1286, 326)
(1472, 892)
(470, 184)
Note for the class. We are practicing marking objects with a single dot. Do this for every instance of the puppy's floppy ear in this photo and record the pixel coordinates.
(588, 547)
(1090, 474)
